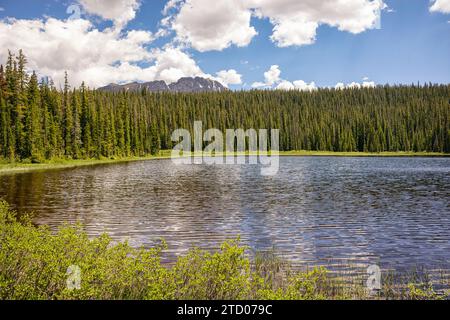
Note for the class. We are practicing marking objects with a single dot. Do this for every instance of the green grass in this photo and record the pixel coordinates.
(18, 167)
(35, 264)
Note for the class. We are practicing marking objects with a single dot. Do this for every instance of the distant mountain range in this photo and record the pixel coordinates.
(187, 84)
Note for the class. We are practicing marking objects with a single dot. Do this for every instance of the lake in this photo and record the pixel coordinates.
(391, 211)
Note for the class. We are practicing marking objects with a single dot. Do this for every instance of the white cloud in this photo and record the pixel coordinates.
(272, 76)
(296, 22)
(339, 86)
(292, 32)
(96, 57)
(171, 4)
(296, 85)
(2, 9)
(73, 45)
(172, 64)
(442, 6)
(355, 85)
(368, 84)
(285, 85)
(213, 26)
(227, 77)
(303, 86)
(273, 80)
(227, 22)
(119, 11)
(258, 85)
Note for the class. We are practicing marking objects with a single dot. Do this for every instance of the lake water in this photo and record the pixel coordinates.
(391, 211)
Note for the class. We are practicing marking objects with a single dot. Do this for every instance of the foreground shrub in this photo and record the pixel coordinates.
(223, 275)
(36, 263)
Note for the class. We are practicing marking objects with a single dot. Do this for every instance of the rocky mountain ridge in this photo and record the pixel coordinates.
(186, 84)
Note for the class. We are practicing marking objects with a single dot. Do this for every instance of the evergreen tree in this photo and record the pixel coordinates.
(40, 122)
(75, 128)
(33, 140)
(68, 126)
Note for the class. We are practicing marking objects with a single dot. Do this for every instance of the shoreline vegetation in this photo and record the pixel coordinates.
(37, 263)
(24, 166)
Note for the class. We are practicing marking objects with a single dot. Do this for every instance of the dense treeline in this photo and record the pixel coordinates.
(39, 121)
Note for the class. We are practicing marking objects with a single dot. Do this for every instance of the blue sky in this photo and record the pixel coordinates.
(412, 44)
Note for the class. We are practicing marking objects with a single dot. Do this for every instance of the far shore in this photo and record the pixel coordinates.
(20, 167)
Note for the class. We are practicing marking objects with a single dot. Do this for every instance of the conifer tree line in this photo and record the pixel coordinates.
(39, 121)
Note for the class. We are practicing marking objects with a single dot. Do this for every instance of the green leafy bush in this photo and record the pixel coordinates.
(422, 292)
(35, 264)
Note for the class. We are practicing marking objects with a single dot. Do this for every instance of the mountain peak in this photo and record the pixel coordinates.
(185, 84)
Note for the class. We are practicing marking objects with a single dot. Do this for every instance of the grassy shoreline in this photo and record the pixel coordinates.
(19, 167)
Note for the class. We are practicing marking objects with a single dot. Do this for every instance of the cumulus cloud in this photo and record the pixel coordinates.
(272, 75)
(213, 26)
(258, 85)
(296, 85)
(285, 85)
(53, 46)
(119, 11)
(227, 77)
(442, 6)
(293, 32)
(296, 22)
(227, 22)
(339, 86)
(169, 65)
(368, 84)
(355, 85)
(273, 80)
(303, 86)
(172, 64)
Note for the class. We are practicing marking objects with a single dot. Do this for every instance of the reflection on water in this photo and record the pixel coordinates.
(391, 211)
